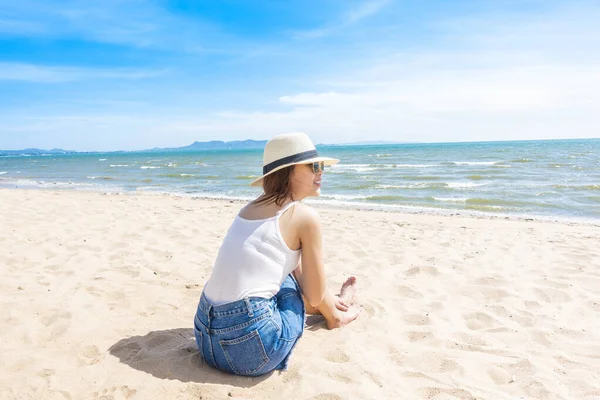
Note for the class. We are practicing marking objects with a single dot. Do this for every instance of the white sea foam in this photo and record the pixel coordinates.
(172, 165)
(32, 183)
(407, 186)
(451, 199)
(3, 172)
(375, 167)
(475, 162)
(343, 196)
(118, 165)
(463, 185)
(433, 185)
(394, 186)
(149, 167)
(414, 165)
(102, 159)
(352, 167)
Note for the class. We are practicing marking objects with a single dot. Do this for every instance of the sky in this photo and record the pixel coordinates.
(133, 74)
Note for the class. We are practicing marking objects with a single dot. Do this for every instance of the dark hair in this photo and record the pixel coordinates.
(277, 186)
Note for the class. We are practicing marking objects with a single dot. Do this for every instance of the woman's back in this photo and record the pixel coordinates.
(254, 258)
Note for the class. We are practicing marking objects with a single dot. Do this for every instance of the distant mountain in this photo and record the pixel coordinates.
(34, 152)
(212, 145)
(219, 145)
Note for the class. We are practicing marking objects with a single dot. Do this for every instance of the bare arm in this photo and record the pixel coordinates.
(311, 274)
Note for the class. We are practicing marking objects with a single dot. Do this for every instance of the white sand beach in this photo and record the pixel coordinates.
(98, 293)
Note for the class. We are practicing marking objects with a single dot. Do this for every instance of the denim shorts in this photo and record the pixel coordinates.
(252, 336)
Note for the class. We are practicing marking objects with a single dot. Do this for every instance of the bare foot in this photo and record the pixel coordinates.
(343, 318)
(348, 290)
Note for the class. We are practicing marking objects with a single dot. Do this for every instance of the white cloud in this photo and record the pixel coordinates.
(47, 74)
(364, 10)
(490, 78)
(352, 16)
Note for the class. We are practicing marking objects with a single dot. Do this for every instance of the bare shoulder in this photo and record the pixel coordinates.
(307, 217)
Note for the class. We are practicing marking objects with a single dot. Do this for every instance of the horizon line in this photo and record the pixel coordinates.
(359, 143)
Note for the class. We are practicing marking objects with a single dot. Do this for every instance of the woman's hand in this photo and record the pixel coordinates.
(340, 304)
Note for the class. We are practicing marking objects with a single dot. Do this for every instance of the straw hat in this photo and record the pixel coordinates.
(289, 149)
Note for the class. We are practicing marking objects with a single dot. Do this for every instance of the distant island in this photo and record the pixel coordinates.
(218, 145)
(35, 152)
(210, 145)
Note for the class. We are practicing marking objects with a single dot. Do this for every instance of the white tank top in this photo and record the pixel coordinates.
(253, 261)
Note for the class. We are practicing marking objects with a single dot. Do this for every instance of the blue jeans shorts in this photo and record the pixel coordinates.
(252, 336)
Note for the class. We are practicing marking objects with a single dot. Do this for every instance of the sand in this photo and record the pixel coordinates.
(98, 293)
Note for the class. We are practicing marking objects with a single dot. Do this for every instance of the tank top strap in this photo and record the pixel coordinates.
(287, 206)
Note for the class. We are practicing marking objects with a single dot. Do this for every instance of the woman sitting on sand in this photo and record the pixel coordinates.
(269, 270)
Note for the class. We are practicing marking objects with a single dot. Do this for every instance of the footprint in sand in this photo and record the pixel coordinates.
(435, 392)
(45, 373)
(436, 306)
(337, 356)
(406, 291)
(499, 375)
(537, 390)
(431, 362)
(326, 396)
(426, 270)
(115, 392)
(417, 319)
(340, 377)
(490, 281)
(120, 245)
(499, 311)
(129, 270)
(493, 294)
(57, 323)
(94, 291)
(471, 340)
(373, 307)
(57, 270)
(478, 321)
(90, 355)
(549, 295)
(531, 304)
(360, 254)
(416, 336)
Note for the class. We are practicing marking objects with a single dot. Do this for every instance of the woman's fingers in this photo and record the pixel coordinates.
(341, 305)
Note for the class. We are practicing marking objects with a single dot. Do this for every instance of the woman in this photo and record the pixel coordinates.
(269, 270)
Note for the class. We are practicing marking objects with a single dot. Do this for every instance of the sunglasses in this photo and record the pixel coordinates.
(317, 166)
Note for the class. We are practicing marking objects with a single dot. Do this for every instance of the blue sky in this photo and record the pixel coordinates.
(139, 74)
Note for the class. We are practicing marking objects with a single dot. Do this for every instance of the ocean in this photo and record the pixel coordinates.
(550, 178)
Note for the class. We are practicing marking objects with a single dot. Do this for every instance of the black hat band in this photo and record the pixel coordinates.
(293, 159)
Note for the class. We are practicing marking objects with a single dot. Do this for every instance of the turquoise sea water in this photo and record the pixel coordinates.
(558, 178)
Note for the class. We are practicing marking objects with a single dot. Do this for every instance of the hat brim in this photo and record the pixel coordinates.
(327, 160)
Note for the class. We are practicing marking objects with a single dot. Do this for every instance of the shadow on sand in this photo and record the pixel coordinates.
(172, 354)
